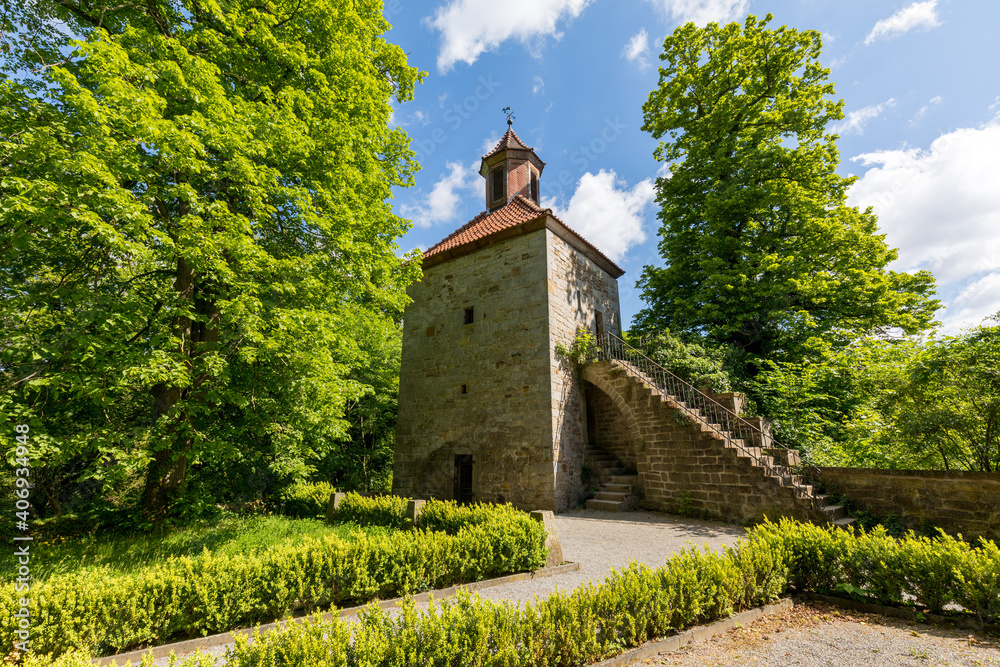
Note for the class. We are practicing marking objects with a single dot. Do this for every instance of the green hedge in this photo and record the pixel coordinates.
(636, 604)
(389, 511)
(306, 500)
(589, 624)
(450, 517)
(105, 614)
(877, 567)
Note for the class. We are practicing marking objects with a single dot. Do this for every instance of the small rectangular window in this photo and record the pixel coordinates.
(534, 187)
(465, 389)
(469, 316)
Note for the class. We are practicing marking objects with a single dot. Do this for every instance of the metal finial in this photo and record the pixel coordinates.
(510, 115)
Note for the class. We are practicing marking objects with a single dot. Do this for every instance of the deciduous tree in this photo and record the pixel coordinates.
(195, 238)
(761, 251)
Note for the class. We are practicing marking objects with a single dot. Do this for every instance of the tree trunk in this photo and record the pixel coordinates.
(166, 477)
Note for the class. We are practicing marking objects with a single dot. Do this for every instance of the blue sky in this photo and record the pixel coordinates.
(920, 80)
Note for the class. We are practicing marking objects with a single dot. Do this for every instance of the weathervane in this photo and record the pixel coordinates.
(510, 115)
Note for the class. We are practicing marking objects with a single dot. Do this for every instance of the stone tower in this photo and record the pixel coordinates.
(488, 410)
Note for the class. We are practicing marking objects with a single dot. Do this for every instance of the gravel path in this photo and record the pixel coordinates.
(816, 635)
(599, 541)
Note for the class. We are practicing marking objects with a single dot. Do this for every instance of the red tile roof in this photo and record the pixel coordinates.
(517, 211)
(509, 141)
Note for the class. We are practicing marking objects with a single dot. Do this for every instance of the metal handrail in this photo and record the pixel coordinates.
(736, 430)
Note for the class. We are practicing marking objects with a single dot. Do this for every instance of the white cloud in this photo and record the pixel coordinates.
(855, 121)
(637, 49)
(537, 85)
(606, 212)
(917, 15)
(941, 208)
(934, 101)
(489, 143)
(470, 27)
(703, 12)
(442, 204)
(975, 302)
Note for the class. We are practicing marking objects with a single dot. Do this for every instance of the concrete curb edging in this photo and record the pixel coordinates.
(213, 641)
(701, 633)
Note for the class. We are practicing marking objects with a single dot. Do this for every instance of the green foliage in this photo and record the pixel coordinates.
(978, 581)
(198, 252)
(582, 350)
(389, 511)
(934, 571)
(637, 603)
(762, 254)
(588, 624)
(306, 500)
(225, 536)
(876, 403)
(104, 612)
(950, 403)
(450, 516)
(689, 357)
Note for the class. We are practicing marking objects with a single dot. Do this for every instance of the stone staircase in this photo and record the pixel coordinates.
(752, 446)
(750, 454)
(615, 483)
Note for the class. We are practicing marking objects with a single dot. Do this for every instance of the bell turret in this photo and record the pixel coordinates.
(510, 169)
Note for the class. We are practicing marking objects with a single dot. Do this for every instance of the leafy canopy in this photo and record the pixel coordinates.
(761, 252)
(922, 404)
(197, 251)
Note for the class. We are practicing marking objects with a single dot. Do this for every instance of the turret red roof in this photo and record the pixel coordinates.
(510, 141)
(518, 211)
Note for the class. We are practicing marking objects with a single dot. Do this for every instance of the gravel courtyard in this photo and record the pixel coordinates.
(599, 541)
(815, 635)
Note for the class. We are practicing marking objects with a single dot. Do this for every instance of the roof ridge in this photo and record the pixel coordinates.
(510, 131)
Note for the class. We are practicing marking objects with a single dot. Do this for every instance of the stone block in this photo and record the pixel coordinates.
(331, 506)
(413, 510)
(547, 518)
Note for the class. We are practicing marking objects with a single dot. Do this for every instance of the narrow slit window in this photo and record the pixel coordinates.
(534, 187)
(496, 186)
(465, 389)
(469, 315)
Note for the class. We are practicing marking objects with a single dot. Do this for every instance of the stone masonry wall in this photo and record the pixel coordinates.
(503, 419)
(685, 468)
(610, 431)
(956, 501)
(578, 290)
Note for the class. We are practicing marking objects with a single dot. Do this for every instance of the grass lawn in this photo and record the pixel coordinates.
(229, 534)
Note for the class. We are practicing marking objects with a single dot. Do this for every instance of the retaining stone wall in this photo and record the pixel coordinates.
(956, 501)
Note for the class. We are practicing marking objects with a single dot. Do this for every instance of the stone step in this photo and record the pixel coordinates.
(616, 496)
(617, 488)
(835, 512)
(620, 471)
(606, 505)
(844, 523)
(625, 479)
(606, 463)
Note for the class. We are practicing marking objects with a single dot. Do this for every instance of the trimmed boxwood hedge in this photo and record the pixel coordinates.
(105, 613)
(637, 603)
